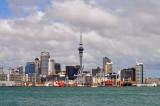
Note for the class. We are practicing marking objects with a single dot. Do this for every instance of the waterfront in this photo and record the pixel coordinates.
(81, 96)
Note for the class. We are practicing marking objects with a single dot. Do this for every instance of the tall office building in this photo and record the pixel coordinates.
(140, 73)
(44, 62)
(107, 65)
(57, 66)
(30, 68)
(128, 74)
(1, 70)
(37, 66)
(20, 69)
(71, 71)
(51, 66)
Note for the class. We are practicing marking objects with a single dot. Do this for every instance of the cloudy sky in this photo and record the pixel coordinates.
(123, 30)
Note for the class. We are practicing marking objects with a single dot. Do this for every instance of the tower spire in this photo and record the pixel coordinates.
(80, 49)
(80, 37)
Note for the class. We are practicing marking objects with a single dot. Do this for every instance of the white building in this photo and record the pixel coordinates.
(51, 66)
(140, 73)
(108, 68)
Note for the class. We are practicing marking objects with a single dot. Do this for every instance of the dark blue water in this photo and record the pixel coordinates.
(74, 96)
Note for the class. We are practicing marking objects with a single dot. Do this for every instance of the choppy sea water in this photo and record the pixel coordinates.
(74, 96)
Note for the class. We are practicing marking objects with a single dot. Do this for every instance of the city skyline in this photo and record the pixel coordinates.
(123, 31)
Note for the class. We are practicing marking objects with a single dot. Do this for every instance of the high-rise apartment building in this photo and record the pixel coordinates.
(107, 66)
(37, 66)
(51, 66)
(140, 73)
(44, 62)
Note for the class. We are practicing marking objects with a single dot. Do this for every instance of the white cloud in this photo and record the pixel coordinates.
(122, 31)
(77, 12)
(25, 7)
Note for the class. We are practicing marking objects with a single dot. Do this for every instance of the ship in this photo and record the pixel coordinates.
(58, 84)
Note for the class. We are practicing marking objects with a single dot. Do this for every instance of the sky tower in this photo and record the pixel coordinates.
(80, 54)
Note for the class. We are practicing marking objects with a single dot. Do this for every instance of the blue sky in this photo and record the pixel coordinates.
(5, 12)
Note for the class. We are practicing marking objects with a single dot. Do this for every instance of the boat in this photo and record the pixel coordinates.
(147, 85)
(94, 86)
(49, 84)
(30, 85)
(58, 84)
(81, 85)
(55, 84)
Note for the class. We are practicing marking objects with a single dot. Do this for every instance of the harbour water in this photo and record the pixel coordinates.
(80, 96)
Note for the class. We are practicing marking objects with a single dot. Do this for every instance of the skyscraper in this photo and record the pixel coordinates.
(107, 65)
(30, 68)
(140, 73)
(51, 66)
(37, 66)
(80, 54)
(44, 62)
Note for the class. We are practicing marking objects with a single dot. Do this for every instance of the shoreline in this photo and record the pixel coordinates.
(85, 86)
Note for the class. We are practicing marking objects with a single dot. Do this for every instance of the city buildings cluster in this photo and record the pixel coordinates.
(46, 72)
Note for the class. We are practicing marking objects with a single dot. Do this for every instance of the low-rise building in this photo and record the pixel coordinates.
(96, 71)
(9, 83)
(88, 79)
(3, 77)
(14, 77)
(153, 80)
(34, 78)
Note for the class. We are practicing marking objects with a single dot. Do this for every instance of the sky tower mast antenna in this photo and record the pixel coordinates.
(80, 55)
(80, 37)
